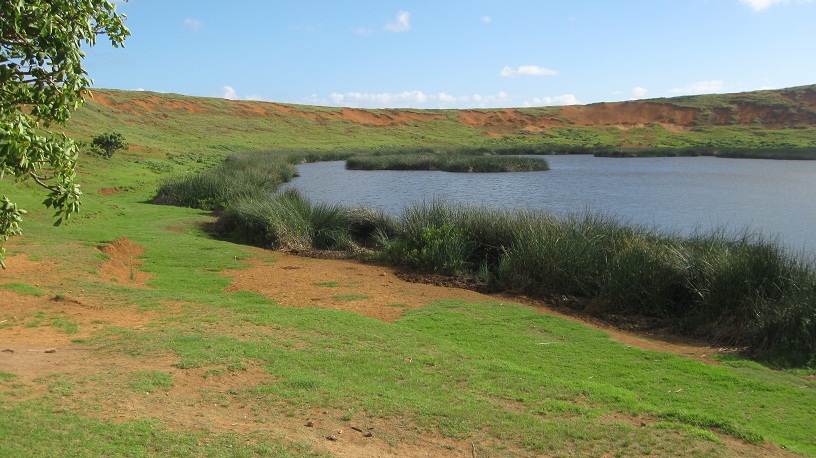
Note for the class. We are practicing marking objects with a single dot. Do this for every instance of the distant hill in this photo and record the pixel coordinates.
(176, 123)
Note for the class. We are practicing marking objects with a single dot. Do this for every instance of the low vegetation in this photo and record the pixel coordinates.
(239, 177)
(789, 153)
(107, 144)
(289, 221)
(447, 163)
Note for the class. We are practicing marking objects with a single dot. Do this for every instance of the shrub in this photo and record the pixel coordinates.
(443, 249)
(107, 144)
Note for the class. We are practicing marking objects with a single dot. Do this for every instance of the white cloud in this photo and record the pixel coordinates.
(413, 99)
(759, 5)
(500, 99)
(527, 70)
(565, 99)
(402, 23)
(700, 87)
(363, 31)
(193, 25)
(228, 92)
(487, 19)
(639, 92)
(446, 98)
(383, 99)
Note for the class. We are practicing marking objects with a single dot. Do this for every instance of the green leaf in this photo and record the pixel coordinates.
(46, 37)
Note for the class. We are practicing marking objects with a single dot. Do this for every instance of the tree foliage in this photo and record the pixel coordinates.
(42, 82)
(109, 143)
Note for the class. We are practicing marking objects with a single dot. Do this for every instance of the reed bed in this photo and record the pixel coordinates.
(703, 149)
(447, 163)
(240, 176)
(289, 221)
(741, 289)
(786, 153)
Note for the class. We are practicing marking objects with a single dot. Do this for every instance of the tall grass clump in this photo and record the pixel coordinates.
(560, 256)
(788, 153)
(525, 149)
(743, 290)
(287, 221)
(429, 239)
(304, 157)
(240, 176)
(751, 291)
(650, 275)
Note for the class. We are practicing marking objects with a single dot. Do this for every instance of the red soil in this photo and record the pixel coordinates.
(495, 122)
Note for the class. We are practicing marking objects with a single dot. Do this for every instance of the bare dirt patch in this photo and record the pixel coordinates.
(622, 115)
(629, 114)
(109, 191)
(199, 401)
(122, 265)
(509, 120)
(150, 104)
(39, 334)
(495, 122)
(366, 289)
(381, 292)
(378, 118)
(247, 110)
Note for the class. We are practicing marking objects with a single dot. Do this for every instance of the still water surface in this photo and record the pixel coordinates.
(674, 194)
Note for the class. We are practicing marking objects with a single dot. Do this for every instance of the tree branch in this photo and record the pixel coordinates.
(42, 183)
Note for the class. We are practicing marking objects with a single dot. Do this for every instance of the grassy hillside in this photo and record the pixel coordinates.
(169, 123)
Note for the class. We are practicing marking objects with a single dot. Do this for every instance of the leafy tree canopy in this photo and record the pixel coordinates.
(41, 83)
(108, 143)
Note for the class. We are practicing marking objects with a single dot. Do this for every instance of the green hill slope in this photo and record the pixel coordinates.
(170, 123)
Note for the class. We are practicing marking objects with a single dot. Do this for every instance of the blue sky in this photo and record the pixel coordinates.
(459, 54)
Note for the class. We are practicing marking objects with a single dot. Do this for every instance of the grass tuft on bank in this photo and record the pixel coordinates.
(241, 176)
